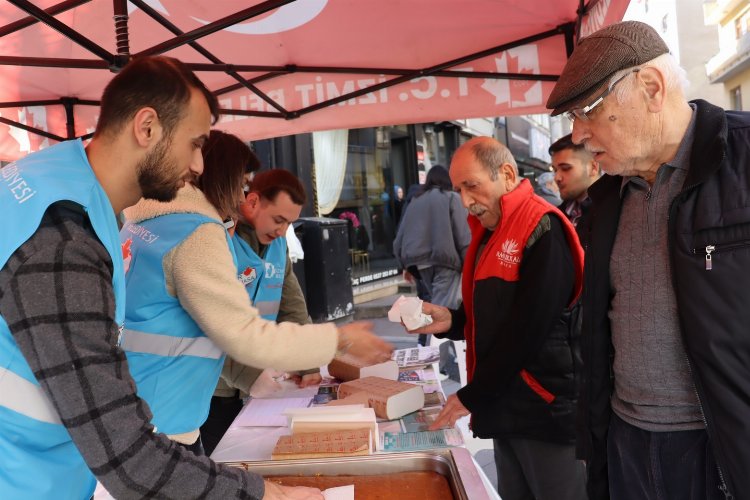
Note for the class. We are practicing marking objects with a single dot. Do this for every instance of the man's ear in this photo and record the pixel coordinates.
(508, 175)
(252, 199)
(652, 82)
(249, 208)
(595, 169)
(147, 128)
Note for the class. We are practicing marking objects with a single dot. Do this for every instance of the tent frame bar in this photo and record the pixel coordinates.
(224, 22)
(114, 62)
(34, 130)
(29, 20)
(63, 29)
(208, 55)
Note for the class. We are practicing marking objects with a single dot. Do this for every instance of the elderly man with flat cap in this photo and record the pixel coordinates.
(665, 404)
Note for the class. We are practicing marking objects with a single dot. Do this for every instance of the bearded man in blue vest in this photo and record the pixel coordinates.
(69, 413)
(521, 276)
(274, 201)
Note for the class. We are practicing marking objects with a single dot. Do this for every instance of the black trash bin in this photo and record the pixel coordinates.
(328, 271)
(299, 267)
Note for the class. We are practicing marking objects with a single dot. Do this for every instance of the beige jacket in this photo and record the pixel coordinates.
(293, 308)
(201, 273)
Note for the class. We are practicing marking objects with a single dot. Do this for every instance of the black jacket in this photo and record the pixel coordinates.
(713, 209)
(585, 206)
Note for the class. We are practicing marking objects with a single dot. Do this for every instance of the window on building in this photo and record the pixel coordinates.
(735, 97)
(741, 23)
(371, 199)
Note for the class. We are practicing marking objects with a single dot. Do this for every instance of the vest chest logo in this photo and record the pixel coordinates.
(272, 272)
(126, 254)
(15, 182)
(247, 276)
(508, 253)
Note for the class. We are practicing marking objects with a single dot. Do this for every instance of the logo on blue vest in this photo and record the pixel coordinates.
(127, 255)
(247, 276)
(272, 272)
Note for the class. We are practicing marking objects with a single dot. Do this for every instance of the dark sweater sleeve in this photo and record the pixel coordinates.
(293, 306)
(458, 321)
(543, 291)
(59, 305)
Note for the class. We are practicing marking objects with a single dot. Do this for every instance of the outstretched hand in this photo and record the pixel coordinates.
(441, 319)
(358, 339)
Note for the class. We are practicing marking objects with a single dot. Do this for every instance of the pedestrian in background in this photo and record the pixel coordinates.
(547, 189)
(575, 171)
(433, 238)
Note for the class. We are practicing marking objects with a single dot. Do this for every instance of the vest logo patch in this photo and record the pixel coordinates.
(15, 182)
(247, 276)
(272, 272)
(126, 254)
(508, 253)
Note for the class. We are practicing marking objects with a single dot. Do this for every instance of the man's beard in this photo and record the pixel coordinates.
(157, 173)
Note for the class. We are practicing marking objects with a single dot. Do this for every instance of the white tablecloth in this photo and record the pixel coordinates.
(256, 443)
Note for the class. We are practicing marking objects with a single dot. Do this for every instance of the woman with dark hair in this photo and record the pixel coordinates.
(438, 177)
(186, 308)
(433, 238)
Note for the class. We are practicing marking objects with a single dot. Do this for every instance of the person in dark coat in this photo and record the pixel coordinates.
(432, 240)
(575, 171)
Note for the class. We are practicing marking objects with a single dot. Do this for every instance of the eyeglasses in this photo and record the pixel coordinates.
(583, 113)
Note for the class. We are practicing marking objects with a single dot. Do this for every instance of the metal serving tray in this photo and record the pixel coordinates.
(455, 464)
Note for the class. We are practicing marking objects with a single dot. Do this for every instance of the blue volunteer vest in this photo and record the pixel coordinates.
(263, 278)
(37, 456)
(174, 365)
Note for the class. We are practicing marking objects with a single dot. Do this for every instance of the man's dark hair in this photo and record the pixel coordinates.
(268, 184)
(565, 142)
(159, 82)
(225, 158)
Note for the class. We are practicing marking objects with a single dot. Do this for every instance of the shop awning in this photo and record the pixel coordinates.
(282, 67)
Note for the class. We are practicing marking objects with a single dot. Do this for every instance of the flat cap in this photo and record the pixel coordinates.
(600, 55)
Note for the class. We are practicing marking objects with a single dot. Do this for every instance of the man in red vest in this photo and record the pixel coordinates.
(521, 276)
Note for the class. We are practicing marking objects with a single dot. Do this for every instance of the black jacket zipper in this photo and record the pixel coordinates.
(709, 250)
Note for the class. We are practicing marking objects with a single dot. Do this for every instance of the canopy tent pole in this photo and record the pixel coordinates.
(215, 26)
(33, 130)
(70, 119)
(122, 38)
(63, 29)
(29, 20)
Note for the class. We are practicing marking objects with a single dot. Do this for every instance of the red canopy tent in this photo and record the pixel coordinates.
(282, 67)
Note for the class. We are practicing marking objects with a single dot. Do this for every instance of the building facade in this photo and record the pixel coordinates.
(730, 66)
